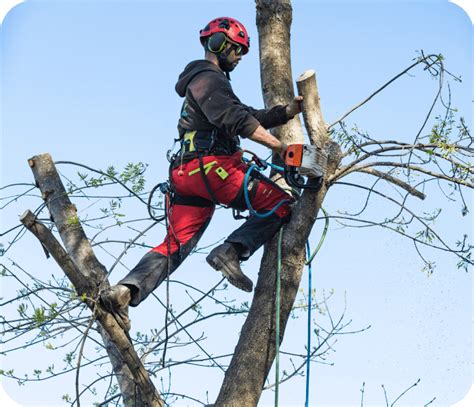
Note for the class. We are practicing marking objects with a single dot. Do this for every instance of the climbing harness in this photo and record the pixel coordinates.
(302, 160)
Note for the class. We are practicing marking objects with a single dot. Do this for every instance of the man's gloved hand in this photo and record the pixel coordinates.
(294, 107)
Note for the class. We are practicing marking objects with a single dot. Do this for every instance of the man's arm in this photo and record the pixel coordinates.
(221, 107)
(262, 136)
(277, 115)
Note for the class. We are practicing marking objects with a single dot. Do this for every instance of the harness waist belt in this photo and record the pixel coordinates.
(207, 142)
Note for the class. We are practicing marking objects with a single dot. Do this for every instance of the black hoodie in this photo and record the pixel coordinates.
(211, 103)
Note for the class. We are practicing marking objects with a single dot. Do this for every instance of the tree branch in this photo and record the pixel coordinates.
(426, 60)
(311, 108)
(398, 182)
(255, 351)
(402, 165)
(130, 372)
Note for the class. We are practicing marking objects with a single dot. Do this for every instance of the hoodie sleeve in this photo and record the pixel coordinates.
(268, 118)
(215, 97)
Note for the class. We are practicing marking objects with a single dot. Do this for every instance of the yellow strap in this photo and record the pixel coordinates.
(207, 168)
(189, 139)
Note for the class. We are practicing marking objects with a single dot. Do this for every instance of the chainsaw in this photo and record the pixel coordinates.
(304, 160)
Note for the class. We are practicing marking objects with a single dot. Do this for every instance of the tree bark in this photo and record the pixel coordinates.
(255, 351)
(88, 276)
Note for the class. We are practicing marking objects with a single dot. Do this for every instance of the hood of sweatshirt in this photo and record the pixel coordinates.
(191, 70)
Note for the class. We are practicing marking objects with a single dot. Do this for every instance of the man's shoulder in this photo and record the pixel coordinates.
(210, 80)
(198, 71)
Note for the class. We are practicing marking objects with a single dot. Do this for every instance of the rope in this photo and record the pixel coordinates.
(321, 241)
(278, 306)
(308, 349)
(168, 272)
(277, 317)
(163, 188)
(246, 192)
(310, 292)
(262, 165)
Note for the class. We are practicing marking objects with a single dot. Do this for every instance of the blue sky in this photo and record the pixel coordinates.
(93, 82)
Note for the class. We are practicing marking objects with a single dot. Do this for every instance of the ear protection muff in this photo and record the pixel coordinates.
(217, 42)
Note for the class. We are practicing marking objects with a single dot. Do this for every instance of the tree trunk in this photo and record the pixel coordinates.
(88, 276)
(255, 351)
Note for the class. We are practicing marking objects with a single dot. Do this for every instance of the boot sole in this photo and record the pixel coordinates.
(219, 265)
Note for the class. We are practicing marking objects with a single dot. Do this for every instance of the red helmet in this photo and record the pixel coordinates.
(233, 29)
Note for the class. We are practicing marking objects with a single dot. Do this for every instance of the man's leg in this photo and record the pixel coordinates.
(225, 177)
(186, 225)
(243, 242)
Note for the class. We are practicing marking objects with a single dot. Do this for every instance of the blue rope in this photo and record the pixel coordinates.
(277, 317)
(260, 168)
(310, 257)
(308, 351)
(246, 192)
(264, 163)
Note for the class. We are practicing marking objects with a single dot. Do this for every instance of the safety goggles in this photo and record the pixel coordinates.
(238, 50)
(236, 47)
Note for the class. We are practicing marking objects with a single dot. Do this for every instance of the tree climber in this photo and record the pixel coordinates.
(209, 170)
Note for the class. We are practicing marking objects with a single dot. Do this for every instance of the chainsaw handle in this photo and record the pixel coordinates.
(297, 181)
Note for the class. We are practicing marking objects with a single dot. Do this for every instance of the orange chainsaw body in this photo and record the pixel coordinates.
(306, 159)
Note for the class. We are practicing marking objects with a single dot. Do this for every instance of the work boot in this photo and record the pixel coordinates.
(225, 258)
(115, 300)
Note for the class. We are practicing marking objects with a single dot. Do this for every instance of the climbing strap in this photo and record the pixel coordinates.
(277, 317)
(308, 262)
(206, 181)
(308, 340)
(310, 258)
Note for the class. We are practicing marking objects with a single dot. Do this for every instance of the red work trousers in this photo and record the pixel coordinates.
(191, 212)
(225, 175)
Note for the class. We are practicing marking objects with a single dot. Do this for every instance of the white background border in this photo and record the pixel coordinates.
(7, 5)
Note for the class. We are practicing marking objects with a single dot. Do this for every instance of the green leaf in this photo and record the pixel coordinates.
(39, 316)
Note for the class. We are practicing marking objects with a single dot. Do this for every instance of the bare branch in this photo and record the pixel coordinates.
(404, 165)
(428, 60)
(79, 359)
(398, 182)
(64, 214)
(405, 392)
(46, 238)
